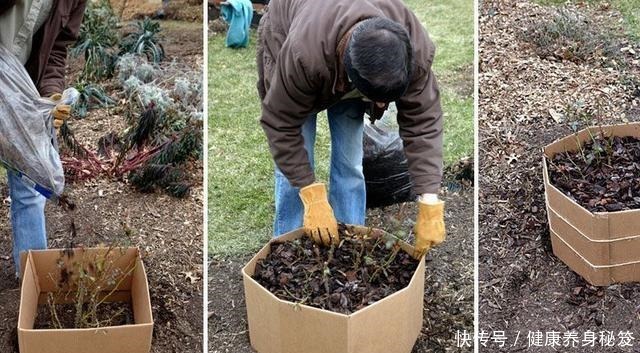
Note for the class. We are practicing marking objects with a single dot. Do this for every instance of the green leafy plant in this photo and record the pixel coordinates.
(98, 36)
(91, 96)
(165, 170)
(144, 40)
(149, 153)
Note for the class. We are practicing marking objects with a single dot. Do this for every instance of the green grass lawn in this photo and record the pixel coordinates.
(240, 165)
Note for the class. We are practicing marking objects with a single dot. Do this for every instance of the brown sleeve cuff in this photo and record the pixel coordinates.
(302, 180)
(427, 184)
(48, 90)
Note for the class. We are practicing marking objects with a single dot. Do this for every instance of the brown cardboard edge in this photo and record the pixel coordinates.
(613, 218)
(576, 264)
(29, 262)
(100, 329)
(28, 286)
(248, 269)
(145, 298)
(625, 129)
(551, 192)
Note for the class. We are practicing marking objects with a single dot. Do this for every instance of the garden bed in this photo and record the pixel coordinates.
(168, 230)
(112, 314)
(448, 291)
(526, 103)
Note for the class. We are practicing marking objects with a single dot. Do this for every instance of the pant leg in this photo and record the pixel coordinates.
(289, 208)
(27, 218)
(347, 189)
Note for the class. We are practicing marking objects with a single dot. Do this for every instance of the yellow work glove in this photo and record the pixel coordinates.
(319, 222)
(429, 228)
(61, 112)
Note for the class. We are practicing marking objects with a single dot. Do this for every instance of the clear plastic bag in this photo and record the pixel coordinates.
(27, 136)
(384, 164)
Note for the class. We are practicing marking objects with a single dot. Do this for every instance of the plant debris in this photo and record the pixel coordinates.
(603, 175)
(84, 286)
(343, 278)
(110, 314)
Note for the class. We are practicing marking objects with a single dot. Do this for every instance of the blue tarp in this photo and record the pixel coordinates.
(238, 14)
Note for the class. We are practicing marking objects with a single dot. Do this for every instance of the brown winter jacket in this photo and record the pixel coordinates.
(47, 62)
(300, 73)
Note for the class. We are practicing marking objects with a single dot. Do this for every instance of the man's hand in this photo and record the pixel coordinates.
(319, 221)
(61, 112)
(429, 228)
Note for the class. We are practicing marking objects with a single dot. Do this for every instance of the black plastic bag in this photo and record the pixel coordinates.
(385, 167)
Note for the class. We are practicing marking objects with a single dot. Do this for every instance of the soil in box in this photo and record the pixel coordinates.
(603, 176)
(63, 316)
(342, 278)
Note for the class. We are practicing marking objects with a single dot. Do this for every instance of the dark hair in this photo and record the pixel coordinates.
(378, 59)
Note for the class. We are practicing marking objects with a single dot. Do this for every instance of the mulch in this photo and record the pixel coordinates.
(342, 278)
(603, 176)
(526, 102)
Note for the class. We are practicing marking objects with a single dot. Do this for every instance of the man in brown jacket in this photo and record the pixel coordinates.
(38, 33)
(346, 56)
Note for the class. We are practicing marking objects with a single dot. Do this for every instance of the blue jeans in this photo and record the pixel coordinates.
(27, 218)
(347, 190)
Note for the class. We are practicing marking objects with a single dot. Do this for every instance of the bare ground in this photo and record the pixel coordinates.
(448, 305)
(526, 102)
(168, 231)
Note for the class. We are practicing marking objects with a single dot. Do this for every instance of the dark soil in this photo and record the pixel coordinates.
(168, 231)
(523, 286)
(603, 177)
(342, 278)
(109, 314)
(448, 300)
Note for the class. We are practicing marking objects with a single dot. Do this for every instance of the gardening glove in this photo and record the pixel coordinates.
(319, 222)
(429, 228)
(61, 112)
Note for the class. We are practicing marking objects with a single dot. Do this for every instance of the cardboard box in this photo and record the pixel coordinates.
(391, 325)
(41, 272)
(602, 247)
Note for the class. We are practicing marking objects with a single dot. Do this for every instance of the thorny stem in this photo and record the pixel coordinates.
(385, 264)
(557, 169)
(118, 284)
(54, 313)
(575, 165)
(299, 300)
(89, 284)
(327, 271)
(79, 303)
